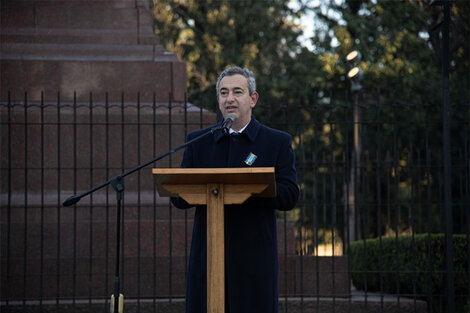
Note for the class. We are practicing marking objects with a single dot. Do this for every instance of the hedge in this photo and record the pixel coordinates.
(409, 265)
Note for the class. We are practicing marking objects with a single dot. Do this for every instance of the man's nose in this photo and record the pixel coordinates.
(230, 97)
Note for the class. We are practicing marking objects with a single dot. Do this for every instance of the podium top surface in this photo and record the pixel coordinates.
(232, 176)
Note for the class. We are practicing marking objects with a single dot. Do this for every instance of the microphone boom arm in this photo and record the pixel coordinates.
(75, 198)
(117, 183)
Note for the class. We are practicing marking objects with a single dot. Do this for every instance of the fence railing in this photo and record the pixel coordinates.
(370, 212)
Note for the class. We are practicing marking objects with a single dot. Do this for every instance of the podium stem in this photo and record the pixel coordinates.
(215, 249)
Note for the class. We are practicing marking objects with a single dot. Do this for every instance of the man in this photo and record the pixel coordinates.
(251, 258)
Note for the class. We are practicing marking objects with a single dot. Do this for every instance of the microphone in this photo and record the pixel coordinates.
(227, 123)
(71, 200)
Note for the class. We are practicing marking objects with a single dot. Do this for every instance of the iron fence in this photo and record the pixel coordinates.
(364, 235)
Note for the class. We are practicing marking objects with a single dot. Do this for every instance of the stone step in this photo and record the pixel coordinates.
(160, 77)
(84, 51)
(96, 238)
(356, 304)
(148, 277)
(72, 14)
(56, 46)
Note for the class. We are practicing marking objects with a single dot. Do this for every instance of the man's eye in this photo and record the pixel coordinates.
(239, 92)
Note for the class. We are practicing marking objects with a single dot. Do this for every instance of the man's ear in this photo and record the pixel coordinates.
(254, 99)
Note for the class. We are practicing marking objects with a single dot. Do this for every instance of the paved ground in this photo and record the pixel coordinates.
(357, 303)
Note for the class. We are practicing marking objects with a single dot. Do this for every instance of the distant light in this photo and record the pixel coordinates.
(355, 76)
(353, 57)
(355, 72)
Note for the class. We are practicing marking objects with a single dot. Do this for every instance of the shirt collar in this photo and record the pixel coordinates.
(250, 130)
(231, 131)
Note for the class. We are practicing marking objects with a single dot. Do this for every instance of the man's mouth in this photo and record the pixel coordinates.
(230, 108)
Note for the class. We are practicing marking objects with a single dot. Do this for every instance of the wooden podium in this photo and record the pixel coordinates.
(215, 187)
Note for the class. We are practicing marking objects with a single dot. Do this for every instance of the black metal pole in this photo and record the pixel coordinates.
(352, 187)
(118, 185)
(449, 249)
(75, 198)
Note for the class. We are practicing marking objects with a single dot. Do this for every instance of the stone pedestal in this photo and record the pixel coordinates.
(81, 46)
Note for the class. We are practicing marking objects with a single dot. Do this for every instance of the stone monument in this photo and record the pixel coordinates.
(85, 46)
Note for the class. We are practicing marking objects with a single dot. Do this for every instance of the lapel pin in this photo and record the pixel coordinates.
(250, 159)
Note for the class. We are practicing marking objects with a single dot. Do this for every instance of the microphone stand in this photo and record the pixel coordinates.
(117, 183)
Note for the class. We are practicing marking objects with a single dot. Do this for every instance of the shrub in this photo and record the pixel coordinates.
(409, 265)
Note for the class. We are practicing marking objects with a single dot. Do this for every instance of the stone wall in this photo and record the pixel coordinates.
(85, 46)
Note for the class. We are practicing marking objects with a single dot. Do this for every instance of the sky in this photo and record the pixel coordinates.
(308, 21)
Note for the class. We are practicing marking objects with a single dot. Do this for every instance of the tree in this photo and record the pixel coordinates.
(401, 49)
(307, 93)
(211, 35)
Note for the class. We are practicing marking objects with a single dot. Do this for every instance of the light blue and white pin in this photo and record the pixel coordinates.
(250, 159)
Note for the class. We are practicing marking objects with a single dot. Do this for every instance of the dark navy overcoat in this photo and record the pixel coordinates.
(251, 258)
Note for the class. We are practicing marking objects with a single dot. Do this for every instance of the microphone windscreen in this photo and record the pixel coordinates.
(227, 123)
(230, 117)
(71, 200)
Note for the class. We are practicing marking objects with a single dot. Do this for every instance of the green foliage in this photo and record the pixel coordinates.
(212, 35)
(307, 94)
(392, 38)
(400, 42)
(409, 265)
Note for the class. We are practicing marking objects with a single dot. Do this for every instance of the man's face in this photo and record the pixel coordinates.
(234, 98)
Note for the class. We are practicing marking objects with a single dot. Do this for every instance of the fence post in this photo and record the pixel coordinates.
(449, 251)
